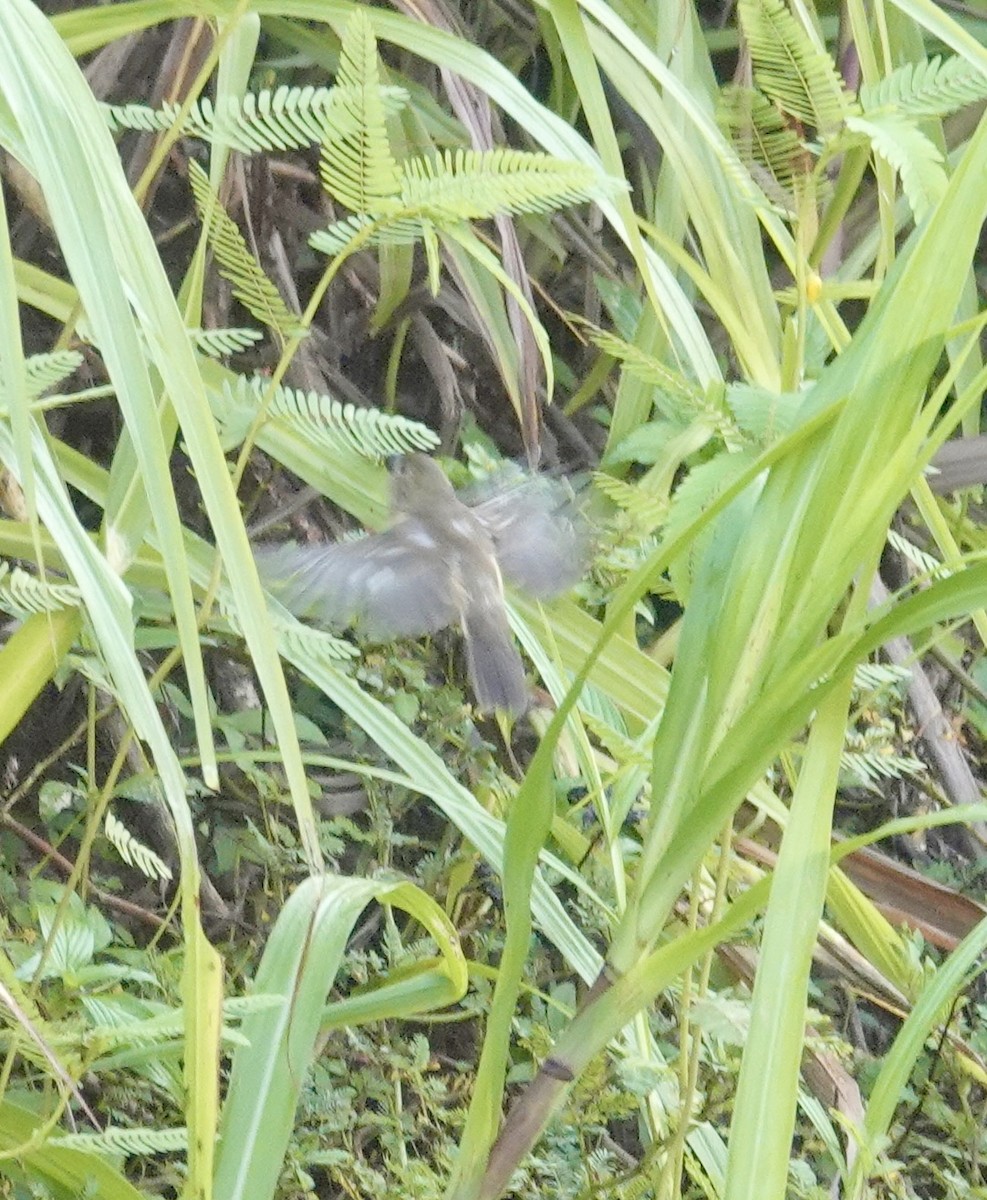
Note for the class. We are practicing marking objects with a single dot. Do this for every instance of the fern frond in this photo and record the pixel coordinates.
(250, 285)
(879, 676)
(918, 558)
(22, 594)
(791, 69)
(309, 644)
(647, 512)
(901, 143)
(114, 1141)
(46, 371)
(869, 767)
(933, 88)
(217, 343)
(132, 851)
(289, 118)
(323, 420)
(292, 118)
(235, 1008)
(369, 431)
(473, 185)
(143, 118)
(683, 393)
(379, 229)
(285, 119)
(117, 1022)
(675, 397)
(766, 142)
(315, 645)
(399, 203)
(357, 167)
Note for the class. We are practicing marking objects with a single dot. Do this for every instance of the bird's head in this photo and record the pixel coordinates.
(418, 484)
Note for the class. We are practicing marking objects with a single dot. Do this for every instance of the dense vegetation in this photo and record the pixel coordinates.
(283, 913)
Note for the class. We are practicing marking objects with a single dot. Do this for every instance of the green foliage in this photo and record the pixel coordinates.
(396, 202)
(356, 164)
(919, 164)
(668, 384)
(767, 141)
(22, 594)
(471, 185)
(322, 420)
(792, 68)
(801, 113)
(391, 914)
(283, 119)
(46, 371)
(250, 285)
(219, 342)
(402, 207)
(132, 851)
(934, 87)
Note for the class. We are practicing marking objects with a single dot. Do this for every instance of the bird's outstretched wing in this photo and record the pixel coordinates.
(540, 535)
(391, 584)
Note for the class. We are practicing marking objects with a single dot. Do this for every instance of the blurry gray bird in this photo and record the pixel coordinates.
(441, 562)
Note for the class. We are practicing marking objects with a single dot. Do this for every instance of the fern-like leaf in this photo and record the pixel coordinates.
(235, 1008)
(46, 371)
(765, 140)
(464, 185)
(646, 511)
(217, 343)
(293, 117)
(684, 397)
(133, 852)
(142, 118)
(933, 88)
(920, 559)
(472, 185)
(312, 644)
(119, 1021)
(385, 228)
(126, 1141)
(369, 431)
(286, 119)
(869, 767)
(791, 69)
(879, 676)
(306, 642)
(22, 594)
(357, 167)
(250, 285)
(901, 143)
(323, 420)
(394, 202)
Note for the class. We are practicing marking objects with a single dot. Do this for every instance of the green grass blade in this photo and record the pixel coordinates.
(764, 1113)
(300, 962)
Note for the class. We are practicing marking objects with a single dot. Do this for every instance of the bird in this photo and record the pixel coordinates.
(442, 561)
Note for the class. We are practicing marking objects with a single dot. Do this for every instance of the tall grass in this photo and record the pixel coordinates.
(773, 564)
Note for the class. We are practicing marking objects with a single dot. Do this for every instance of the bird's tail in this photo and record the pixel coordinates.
(494, 664)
